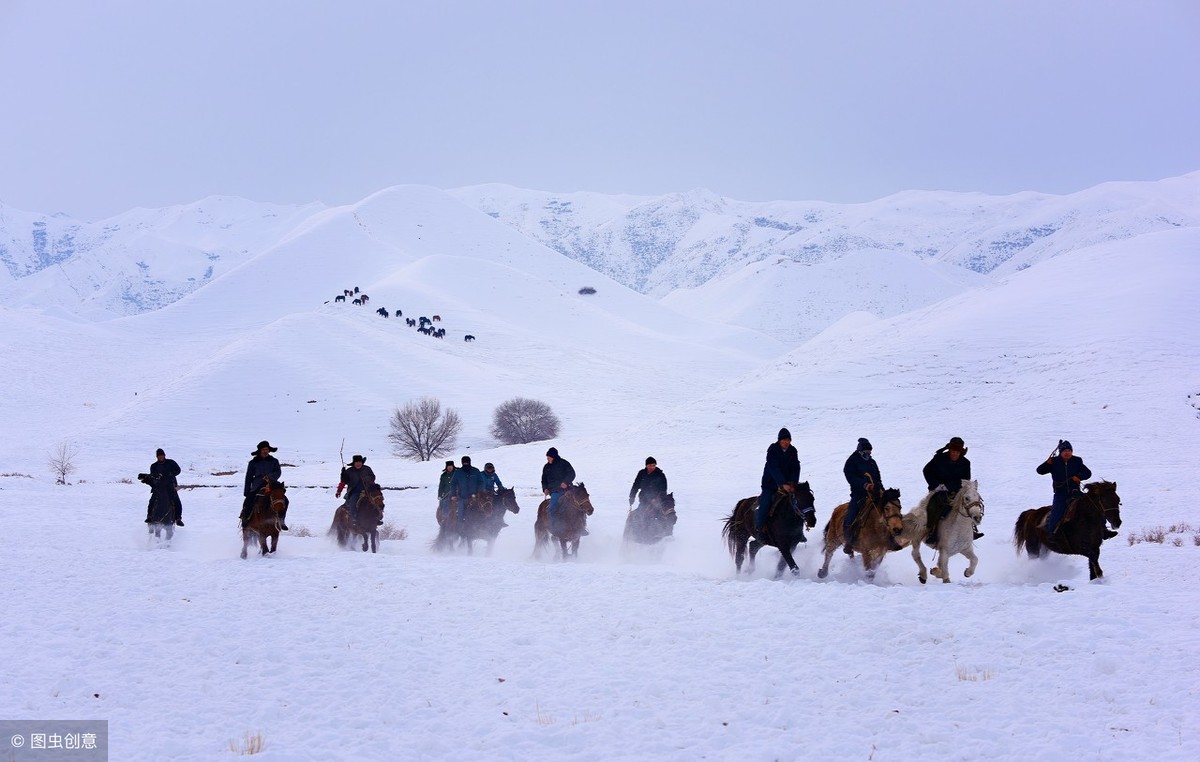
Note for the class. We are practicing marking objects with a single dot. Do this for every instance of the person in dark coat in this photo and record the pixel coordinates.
(650, 482)
(782, 469)
(557, 475)
(944, 474)
(162, 477)
(862, 474)
(354, 478)
(444, 489)
(466, 481)
(491, 479)
(263, 468)
(1066, 471)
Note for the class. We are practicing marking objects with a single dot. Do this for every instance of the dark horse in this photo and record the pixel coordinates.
(570, 522)
(266, 514)
(652, 521)
(368, 514)
(790, 513)
(484, 517)
(880, 529)
(163, 509)
(1082, 529)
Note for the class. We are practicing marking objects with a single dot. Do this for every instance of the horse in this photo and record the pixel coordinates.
(437, 318)
(571, 522)
(468, 337)
(266, 514)
(1082, 529)
(368, 514)
(162, 511)
(484, 517)
(339, 298)
(652, 521)
(357, 301)
(881, 528)
(364, 298)
(789, 513)
(956, 531)
(382, 311)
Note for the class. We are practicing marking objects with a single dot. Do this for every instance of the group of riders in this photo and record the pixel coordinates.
(944, 475)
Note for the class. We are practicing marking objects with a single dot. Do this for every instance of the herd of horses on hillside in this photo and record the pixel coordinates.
(423, 324)
(880, 527)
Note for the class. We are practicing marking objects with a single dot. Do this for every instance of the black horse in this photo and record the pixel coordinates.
(790, 513)
(1082, 530)
(652, 521)
(163, 510)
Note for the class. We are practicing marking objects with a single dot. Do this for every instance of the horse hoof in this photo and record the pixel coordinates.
(795, 572)
(946, 580)
(822, 573)
(922, 578)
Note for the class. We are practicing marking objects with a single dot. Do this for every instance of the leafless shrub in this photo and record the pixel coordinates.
(1177, 542)
(251, 743)
(421, 430)
(587, 290)
(61, 461)
(17, 475)
(222, 473)
(1196, 539)
(1182, 528)
(390, 531)
(520, 421)
(973, 675)
(125, 480)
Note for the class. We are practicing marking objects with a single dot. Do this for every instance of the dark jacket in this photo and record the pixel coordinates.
(444, 483)
(650, 484)
(355, 478)
(782, 467)
(491, 482)
(556, 472)
(466, 482)
(259, 471)
(942, 470)
(1061, 472)
(165, 473)
(856, 471)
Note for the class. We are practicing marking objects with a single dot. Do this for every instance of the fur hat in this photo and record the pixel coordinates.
(488, 467)
(358, 459)
(466, 460)
(159, 451)
(956, 443)
(864, 445)
(1065, 445)
(552, 452)
(263, 444)
(650, 459)
(784, 434)
(450, 463)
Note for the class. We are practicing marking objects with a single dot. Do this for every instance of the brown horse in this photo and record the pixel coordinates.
(484, 517)
(163, 509)
(266, 514)
(570, 522)
(1082, 530)
(880, 529)
(652, 521)
(368, 514)
(790, 512)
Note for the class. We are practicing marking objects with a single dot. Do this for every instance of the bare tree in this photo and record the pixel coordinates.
(421, 430)
(62, 461)
(521, 420)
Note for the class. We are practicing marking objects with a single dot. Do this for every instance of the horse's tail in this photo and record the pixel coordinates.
(727, 532)
(1025, 534)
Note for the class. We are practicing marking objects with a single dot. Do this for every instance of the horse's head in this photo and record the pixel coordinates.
(507, 498)
(969, 502)
(1110, 502)
(889, 502)
(579, 495)
(275, 492)
(374, 494)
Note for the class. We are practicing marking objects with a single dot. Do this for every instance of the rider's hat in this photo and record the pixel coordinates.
(552, 452)
(650, 459)
(358, 459)
(263, 444)
(159, 451)
(466, 459)
(449, 463)
(956, 443)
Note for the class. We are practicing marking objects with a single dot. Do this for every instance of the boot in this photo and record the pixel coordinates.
(848, 543)
(932, 538)
(978, 534)
(1109, 534)
(178, 521)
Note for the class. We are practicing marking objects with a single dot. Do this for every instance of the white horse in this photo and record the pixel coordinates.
(956, 533)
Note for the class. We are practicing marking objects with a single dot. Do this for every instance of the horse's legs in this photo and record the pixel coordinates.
(1094, 569)
(374, 540)
(922, 573)
(754, 546)
(785, 557)
(969, 552)
(366, 540)
(942, 569)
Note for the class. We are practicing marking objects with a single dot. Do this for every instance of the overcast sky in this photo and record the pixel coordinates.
(107, 105)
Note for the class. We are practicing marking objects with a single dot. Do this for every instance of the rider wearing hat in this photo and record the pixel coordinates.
(944, 474)
(862, 474)
(262, 469)
(355, 477)
(1067, 472)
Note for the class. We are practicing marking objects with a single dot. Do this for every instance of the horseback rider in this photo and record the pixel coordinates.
(557, 476)
(944, 473)
(491, 479)
(444, 489)
(162, 476)
(263, 468)
(862, 474)
(466, 481)
(1066, 471)
(782, 469)
(354, 478)
(650, 482)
